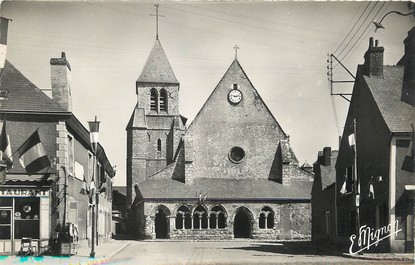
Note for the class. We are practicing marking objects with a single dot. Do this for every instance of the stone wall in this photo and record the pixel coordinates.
(292, 220)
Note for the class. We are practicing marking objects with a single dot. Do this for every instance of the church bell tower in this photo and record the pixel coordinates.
(155, 127)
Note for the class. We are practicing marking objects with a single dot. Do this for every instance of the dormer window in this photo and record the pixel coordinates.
(4, 94)
(163, 100)
(153, 99)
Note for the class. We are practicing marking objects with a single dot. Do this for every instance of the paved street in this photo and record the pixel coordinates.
(131, 252)
(229, 252)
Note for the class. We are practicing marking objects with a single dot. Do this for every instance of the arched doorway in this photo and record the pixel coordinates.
(242, 224)
(161, 224)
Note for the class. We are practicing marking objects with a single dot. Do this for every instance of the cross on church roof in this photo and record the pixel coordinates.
(157, 20)
(236, 47)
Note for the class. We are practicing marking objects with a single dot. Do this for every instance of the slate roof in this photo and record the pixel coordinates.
(23, 95)
(328, 173)
(225, 189)
(157, 68)
(137, 119)
(386, 92)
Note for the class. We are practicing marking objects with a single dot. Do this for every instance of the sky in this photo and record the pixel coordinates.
(283, 50)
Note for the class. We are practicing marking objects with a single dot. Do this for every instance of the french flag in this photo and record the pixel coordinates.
(32, 154)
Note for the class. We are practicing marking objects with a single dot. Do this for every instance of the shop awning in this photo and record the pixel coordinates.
(32, 178)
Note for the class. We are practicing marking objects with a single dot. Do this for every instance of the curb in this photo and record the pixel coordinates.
(119, 249)
(384, 258)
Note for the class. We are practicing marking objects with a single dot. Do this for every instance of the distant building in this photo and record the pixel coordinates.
(323, 219)
(119, 210)
(383, 106)
(33, 205)
(231, 173)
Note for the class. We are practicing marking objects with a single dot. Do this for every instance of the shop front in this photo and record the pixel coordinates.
(24, 213)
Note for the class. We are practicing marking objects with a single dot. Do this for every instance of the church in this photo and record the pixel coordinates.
(230, 173)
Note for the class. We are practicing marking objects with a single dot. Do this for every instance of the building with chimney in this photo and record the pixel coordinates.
(34, 206)
(231, 173)
(323, 218)
(375, 174)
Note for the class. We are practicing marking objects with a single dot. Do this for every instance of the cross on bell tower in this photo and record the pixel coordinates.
(157, 20)
(236, 48)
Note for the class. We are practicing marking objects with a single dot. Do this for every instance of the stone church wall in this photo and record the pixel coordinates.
(291, 221)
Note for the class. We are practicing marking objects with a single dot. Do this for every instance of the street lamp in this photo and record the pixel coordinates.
(379, 25)
(93, 133)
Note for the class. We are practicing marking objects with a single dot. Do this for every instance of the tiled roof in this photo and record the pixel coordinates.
(157, 68)
(227, 189)
(23, 95)
(328, 173)
(386, 91)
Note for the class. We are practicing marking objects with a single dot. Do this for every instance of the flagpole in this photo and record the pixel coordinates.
(356, 181)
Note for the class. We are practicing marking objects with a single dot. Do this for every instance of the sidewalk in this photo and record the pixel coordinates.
(103, 253)
(365, 256)
(383, 256)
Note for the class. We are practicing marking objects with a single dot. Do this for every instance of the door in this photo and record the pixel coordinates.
(242, 225)
(6, 229)
(161, 224)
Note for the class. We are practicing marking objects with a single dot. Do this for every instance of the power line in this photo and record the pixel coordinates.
(367, 27)
(353, 25)
(361, 25)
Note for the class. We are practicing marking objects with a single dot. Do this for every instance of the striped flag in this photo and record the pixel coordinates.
(4, 24)
(32, 154)
(5, 146)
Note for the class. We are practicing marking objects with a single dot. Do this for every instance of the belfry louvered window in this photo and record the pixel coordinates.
(153, 99)
(163, 100)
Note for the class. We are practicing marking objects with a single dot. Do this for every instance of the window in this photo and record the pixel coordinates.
(153, 99)
(4, 94)
(5, 223)
(71, 157)
(163, 100)
(183, 220)
(26, 217)
(236, 154)
(217, 217)
(266, 218)
(262, 220)
(349, 182)
(200, 218)
(158, 145)
(235, 86)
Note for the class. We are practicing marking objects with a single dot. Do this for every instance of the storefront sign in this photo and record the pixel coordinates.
(23, 192)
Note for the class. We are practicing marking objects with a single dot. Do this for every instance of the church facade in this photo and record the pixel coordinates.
(231, 173)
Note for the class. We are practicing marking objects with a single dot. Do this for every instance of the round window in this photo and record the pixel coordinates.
(236, 154)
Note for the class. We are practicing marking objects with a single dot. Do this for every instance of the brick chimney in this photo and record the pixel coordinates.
(408, 85)
(373, 65)
(327, 156)
(61, 81)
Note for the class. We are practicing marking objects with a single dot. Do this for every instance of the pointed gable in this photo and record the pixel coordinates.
(157, 68)
(221, 125)
(137, 119)
(23, 95)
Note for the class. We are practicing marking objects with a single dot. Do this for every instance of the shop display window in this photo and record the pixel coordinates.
(5, 223)
(26, 216)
